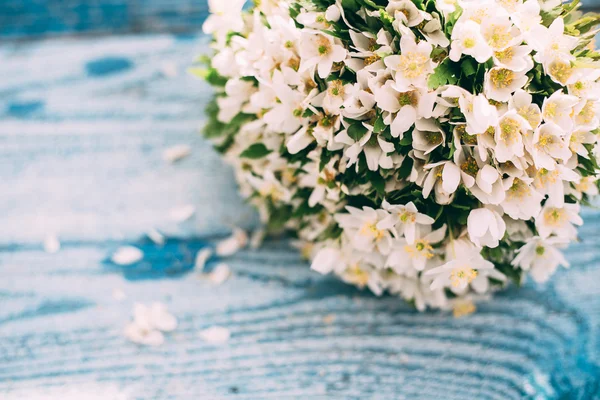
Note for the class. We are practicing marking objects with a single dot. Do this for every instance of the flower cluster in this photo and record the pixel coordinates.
(433, 149)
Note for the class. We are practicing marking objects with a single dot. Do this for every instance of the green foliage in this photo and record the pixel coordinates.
(255, 151)
(446, 73)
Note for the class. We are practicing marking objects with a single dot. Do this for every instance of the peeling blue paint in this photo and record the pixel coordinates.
(108, 66)
(24, 108)
(173, 259)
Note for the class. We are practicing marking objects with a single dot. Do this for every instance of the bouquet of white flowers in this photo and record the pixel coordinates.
(434, 149)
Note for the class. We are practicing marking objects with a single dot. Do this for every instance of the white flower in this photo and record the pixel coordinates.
(367, 229)
(313, 19)
(515, 58)
(413, 66)
(527, 18)
(526, 108)
(269, 187)
(406, 219)
(407, 106)
(427, 136)
(587, 185)
(321, 51)
(548, 145)
(224, 17)
(551, 43)
(486, 227)
(376, 149)
(405, 11)
(444, 177)
(459, 272)
(286, 114)
(479, 113)
(552, 183)
(559, 221)
(500, 83)
(238, 92)
(500, 33)
(522, 200)
(509, 136)
(541, 257)
(433, 31)
(586, 115)
(558, 109)
(416, 255)
(361, 99)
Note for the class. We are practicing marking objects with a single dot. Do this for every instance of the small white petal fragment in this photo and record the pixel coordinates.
(169, 69)
(177, 153)
(183, 213)
(118, 294)
(220, 274)
(237, 241)
(51, 244)
(201, 258)
(127, 255)
(140, 335)
(156, 237)
(215, 335)
(257, 238)
(161, 319)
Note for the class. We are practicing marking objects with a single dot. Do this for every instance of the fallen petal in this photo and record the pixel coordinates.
(127, 255)
(51, 244)
(183, 213)
(215, 335)
(140, 335)
(156, 237)
(161, 319)
(220, 274)
(257, 238)
(177, 153)
(201, 258)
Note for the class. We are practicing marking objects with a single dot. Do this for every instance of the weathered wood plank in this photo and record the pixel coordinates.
(82, 128)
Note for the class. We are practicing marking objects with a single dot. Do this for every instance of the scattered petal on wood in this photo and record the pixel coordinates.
(183, 213)
(127, 255)
(140, 335)
(156, 237)
(161, 319)
(177, 153)
(51, 244)
(201, 258)
(169, 69)
(119, 295)
(237, 241)
(220, 274)
(257, 238)
(215, 335)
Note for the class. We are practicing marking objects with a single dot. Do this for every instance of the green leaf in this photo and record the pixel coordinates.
(405, 168)
(378, 183)
(379, 125)
(444, 74)
(357, 131)
(255, 151)
(468, 67)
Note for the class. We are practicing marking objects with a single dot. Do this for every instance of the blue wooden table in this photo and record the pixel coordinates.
(83, 127)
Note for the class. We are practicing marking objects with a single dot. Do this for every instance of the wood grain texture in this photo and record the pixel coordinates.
(83, 124)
